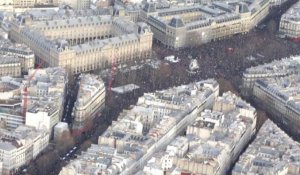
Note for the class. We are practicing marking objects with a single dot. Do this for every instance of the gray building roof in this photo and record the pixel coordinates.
(176, 22)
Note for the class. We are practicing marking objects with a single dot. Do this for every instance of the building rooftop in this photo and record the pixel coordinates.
(126, 31)
(206, 117)
(46, 89)
(9, 84)
(293, 14)
(42, 106)
(271, 151)
(285, 66)
(285, 88)
(21, 136)
(7, 59)
(211, 137)
(237, 102)
(218, 12)
(89, 85)
(126, 88)
(138, 128)
(9, 48)
(10, 93)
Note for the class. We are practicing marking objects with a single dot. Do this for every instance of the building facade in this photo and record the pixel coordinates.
(10, 66)
(20, 146)
(23, 3)
(179, 27)
(274, 86)
(10, 103)
(277, 2)
(275, 69)
(213, 142)
(82, 44)
(264, 155)
(21, 52)
(280, 97)
(290, 23)
(90, 98)
(46, 97)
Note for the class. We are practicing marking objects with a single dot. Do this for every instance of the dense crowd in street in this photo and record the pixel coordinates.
(224, 60)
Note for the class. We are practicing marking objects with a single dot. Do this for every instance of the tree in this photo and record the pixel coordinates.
(65, 142)
(162, 76)
(46, 163)
(85, 145)
(226, 85)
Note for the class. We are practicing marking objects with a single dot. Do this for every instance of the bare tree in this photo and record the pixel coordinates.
(65, 142)
(45, 163)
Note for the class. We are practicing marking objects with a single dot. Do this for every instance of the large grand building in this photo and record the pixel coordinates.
(178, 27)
(290, 23)
(82, 44)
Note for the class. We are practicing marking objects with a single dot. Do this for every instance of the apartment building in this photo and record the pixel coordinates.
(212, 143)
(20, 52)
(277, 2)
(45, 99)
(10, 103)
(81, 44)
(281, 98)
(3, 33)
(290, 23)
(272, 152)
(90, 98)
(273, 86)
(183, 26)
(277, 68)
(25, 4)
(20, 6)
(149, 126)
(10, 66)
(20, 146)
(46, 95)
